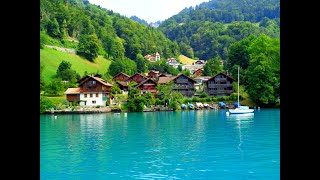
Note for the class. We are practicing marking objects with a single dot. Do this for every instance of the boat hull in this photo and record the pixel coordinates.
(241, 111)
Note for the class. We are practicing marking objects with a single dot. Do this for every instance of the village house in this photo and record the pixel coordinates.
(220, 85)
(121, 77)
(182, 84)
(198, 72)
(173, 62)
(153, 57)
(147, 85)
(200, 62)
(153, 74)
(138, 78)
(91, 91)
(201, 82)
(123, 86)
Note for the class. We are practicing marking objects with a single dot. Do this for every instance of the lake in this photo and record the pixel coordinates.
(203, 144)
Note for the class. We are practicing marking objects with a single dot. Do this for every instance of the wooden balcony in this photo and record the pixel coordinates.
(220, 79)
(183, 87)
(182, 81)
(219, 85)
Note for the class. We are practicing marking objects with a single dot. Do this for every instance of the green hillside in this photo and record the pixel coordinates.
(51, 59)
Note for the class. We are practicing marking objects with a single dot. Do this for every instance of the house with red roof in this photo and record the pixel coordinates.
(91, 91)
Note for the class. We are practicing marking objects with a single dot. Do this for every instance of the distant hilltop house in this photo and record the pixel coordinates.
(153, 57)
(200, 62)
(173, 62)
(92, 91)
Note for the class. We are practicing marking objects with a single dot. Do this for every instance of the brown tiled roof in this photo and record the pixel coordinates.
(144, 82)
(98, 79)
(121, 73)
(223, 74)
(72, 91)
(123, 83)
(102, 81)
(138, 74)
(163, 80)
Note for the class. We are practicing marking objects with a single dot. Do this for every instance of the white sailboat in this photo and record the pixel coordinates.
(240, 109)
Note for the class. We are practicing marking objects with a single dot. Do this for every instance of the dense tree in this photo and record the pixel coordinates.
(137, 104)
(142, 63)
(117, 50)
(54, 88)
(127, 66)
(89, 46)
(65, 72)
(53, 28)
(212, 67)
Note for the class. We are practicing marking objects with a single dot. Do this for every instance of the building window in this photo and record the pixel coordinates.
(85, 95)
(90, 95)
(93, 102)
(97, 95)
(93, 82)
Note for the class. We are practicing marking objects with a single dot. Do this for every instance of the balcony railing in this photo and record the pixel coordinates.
(220, 91)
(219, 85)
(182, 81)
(183, 87)
(220, 79)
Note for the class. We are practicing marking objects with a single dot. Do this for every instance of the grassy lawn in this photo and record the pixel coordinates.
(185, 60)
(57, 101)
(51, 59)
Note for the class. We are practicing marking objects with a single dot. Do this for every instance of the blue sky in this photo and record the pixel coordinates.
(149, 10)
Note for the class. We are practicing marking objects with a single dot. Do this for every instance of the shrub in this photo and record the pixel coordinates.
(98, 106)
(174, 105)
(107, 103)
(45, 104)
(203, 95)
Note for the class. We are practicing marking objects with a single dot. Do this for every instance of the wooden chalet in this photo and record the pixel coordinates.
(92, 91)
(147, 85)
(123, 86)
(182, 83)
(121, 77)
(138, 78)
(198, 72)
(219, 85)
(153, 74)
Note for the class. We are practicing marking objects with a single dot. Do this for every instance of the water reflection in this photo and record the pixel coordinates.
(243, 123)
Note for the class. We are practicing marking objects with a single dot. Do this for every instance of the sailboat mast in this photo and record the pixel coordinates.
(238, 87)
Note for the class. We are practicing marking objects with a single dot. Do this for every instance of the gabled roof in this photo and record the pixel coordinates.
(157, 72)
(121, 73)
(165, 75)
(163, 80)
(123, 83)
(144, 82)
(72, 91)
(137, 74)
(97, 79)
(222, 74)
(185, 76)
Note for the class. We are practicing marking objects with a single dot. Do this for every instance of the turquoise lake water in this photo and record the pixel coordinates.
(203, 144)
